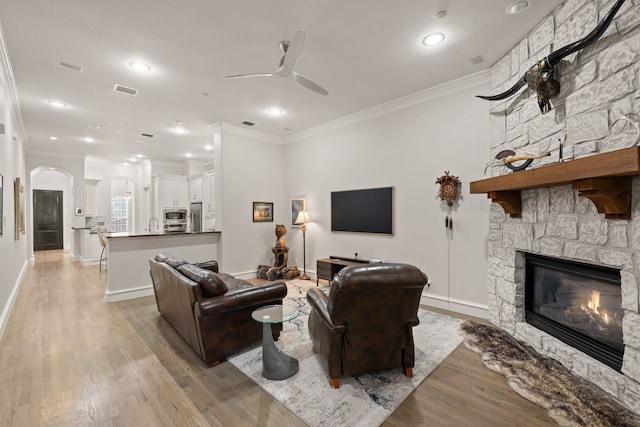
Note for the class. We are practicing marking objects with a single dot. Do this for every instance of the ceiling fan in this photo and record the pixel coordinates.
(292, 51)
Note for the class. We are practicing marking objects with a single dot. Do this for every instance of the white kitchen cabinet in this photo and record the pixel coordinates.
(91, 249)
(196, 188)
(91, 197)
(169, 191)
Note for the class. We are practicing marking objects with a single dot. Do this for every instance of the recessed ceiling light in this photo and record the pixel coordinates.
(140, 156)
(52, 169)
(126, 164)
(139, 66)
(433, 39)
(275, 112)
(517, 7)
(208, 147)
(88, 139)
(179, 130)
(188, 155)
(58, 104)
(92, 126)
(177, 122)
(53, 138)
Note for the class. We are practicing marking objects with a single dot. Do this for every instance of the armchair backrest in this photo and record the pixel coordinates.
(376, 298)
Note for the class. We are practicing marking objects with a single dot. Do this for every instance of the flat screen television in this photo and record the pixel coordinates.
(363, 211)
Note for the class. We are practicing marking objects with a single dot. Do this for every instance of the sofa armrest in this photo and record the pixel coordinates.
(231, 301)
(318, 302)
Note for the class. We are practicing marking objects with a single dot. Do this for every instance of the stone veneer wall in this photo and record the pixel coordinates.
(598, 85)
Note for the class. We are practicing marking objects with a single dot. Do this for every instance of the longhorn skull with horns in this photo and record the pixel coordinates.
(540, 76)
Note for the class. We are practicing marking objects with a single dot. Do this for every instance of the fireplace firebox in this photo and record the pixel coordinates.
(580, 304)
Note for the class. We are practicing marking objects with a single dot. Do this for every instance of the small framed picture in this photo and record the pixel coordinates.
(262, 212)
(79, 211)
(297, 205)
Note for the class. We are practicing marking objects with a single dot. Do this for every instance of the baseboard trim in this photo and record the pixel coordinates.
(6, 312)
(459, 306)
(126, 294)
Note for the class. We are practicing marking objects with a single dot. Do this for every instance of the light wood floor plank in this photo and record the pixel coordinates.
(69, 358)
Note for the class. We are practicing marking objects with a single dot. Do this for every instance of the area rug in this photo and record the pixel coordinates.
(569, 399)
(362, 400)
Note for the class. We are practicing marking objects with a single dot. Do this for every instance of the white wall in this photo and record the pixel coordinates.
(252, 171)
(13, 258)
(54, 180)
(408, 149)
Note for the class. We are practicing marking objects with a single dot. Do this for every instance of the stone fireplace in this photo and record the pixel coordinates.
(599, 94)
(557, 223)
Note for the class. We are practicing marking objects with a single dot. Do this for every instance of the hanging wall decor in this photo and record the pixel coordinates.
(540, 76)
(18, 192)
(448, 188)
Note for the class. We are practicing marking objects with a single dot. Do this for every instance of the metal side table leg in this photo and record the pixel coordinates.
(275, 364)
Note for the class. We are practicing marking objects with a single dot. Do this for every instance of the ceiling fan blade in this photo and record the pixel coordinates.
(293, 51)
(242, 76)
(309, 84)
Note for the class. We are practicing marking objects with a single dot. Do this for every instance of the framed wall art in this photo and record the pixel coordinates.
(262, 212)
(18, 195)
(297, 205)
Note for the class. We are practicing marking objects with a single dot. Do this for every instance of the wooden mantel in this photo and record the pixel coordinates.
(605, 179)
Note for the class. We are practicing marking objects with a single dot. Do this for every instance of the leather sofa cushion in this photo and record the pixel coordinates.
(174, 262)
(211, 283)
(209, 265)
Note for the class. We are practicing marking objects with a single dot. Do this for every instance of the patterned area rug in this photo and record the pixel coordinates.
(362, 400)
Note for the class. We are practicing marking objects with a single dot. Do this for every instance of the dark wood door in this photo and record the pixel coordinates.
(47, 220)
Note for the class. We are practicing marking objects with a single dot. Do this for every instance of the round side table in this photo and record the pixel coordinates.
(276, 365)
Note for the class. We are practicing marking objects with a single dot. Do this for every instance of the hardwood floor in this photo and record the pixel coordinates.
(69, 358)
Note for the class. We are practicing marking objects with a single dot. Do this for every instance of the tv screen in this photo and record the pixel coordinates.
(363, 211)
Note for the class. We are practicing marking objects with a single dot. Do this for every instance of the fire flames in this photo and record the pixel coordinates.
(593, 306)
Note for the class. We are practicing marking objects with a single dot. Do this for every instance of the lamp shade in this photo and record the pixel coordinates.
(303, 218)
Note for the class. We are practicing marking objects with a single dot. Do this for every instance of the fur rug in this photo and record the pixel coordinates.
(570, 400)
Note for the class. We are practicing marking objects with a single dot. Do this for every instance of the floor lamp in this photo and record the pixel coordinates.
(303, 218)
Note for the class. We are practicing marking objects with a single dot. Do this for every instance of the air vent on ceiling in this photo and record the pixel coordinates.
(126, 90)
(476, 60)
(248, 123)
(148, 135)
(70, 66)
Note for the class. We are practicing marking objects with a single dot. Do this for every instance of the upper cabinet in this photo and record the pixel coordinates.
(197, 187)
(91, 197)
(169, 191)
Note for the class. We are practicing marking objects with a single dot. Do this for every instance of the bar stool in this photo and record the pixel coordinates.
(102, 238)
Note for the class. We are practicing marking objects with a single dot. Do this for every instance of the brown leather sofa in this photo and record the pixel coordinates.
(211, 311)
(365, 323)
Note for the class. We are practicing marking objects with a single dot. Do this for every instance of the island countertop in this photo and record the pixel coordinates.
(147, 234)
(128, 258)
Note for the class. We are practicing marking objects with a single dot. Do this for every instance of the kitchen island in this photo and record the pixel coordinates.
(129, 254)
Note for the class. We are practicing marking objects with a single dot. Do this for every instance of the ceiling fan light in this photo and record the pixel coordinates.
(433, 39)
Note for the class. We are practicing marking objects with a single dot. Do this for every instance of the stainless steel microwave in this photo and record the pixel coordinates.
(175, 216)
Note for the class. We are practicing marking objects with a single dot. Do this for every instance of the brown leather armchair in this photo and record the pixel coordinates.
(365, 323)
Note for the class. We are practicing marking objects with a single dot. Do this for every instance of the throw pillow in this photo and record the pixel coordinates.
(211, 283)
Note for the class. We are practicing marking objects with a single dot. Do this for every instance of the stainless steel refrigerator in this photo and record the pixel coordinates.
(196, 217)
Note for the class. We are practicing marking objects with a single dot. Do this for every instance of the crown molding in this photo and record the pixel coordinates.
(56, 153)
(251, 133)
(9, 83)
(449, 88)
